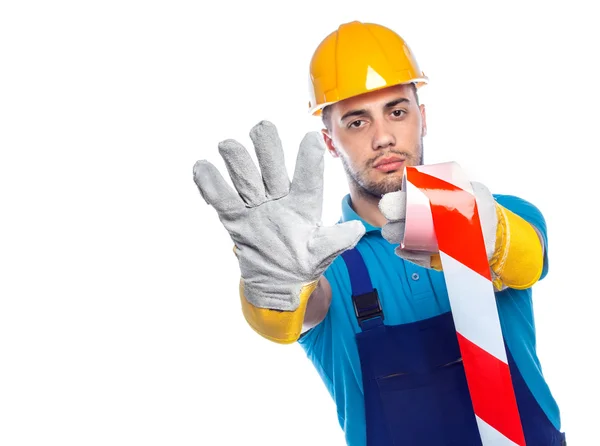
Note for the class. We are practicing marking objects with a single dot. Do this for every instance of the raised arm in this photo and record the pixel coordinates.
(281, 246)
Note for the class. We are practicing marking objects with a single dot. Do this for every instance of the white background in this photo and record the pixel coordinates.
(119, 313)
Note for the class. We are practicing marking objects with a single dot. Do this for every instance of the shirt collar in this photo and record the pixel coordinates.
(348, 214)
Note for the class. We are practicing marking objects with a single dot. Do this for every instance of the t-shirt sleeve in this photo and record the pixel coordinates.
(532, 215)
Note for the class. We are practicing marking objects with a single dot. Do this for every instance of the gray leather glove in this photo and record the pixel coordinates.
(275, 225)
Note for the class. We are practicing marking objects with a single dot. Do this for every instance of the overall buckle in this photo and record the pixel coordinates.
(367, 306)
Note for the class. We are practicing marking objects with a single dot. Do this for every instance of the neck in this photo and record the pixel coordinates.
(366, 206)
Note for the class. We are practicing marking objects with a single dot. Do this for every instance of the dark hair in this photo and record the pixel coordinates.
(326, 112)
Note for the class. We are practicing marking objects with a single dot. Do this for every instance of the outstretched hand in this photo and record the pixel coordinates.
(274, 223)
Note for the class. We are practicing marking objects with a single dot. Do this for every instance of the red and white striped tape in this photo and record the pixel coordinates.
(442, 215)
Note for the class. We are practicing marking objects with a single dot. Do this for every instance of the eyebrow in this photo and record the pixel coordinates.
(361, 112)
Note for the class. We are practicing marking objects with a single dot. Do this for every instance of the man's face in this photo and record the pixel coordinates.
(376, 135)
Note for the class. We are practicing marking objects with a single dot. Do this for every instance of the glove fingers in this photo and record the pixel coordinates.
(419, 258)
(307, 185)
(330, 241)
(269, 152)
(393, 206)
(215, 190)
(243, 172)
(394, 232)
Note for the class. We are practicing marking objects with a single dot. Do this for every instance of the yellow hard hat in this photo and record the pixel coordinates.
(358, 58)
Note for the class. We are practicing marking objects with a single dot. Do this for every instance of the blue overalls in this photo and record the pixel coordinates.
(414, 383)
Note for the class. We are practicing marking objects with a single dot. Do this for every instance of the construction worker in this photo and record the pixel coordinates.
(332, 288)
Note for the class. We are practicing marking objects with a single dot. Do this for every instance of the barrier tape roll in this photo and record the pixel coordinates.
(442, 215)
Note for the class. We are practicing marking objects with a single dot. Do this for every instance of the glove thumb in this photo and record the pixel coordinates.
(331, 241)
(393, 206)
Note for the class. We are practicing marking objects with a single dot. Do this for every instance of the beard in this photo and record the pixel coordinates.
(369, 188)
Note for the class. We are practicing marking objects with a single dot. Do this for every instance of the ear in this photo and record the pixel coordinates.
(329, 143)
(423, 120)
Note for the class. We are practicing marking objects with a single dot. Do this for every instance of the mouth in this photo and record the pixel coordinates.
(389, 164)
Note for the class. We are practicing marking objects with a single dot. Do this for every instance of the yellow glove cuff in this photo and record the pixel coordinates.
(518, 259)
(436, 262)
(282, 327)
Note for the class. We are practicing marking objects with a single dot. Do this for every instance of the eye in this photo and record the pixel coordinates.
(355, 124)
(398, 113)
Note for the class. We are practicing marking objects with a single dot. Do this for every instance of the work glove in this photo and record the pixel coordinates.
(275, 224)
(393, 207)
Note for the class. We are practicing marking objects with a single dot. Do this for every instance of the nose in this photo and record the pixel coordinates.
(382, 135)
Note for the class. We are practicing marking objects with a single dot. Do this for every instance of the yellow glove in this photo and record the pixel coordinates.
(518, 259)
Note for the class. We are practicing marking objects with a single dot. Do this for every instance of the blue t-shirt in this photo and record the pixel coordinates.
(331, 345)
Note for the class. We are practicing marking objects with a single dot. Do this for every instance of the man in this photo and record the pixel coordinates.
(373, 318)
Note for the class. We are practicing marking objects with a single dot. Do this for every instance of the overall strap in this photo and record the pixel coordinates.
(365, 299)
